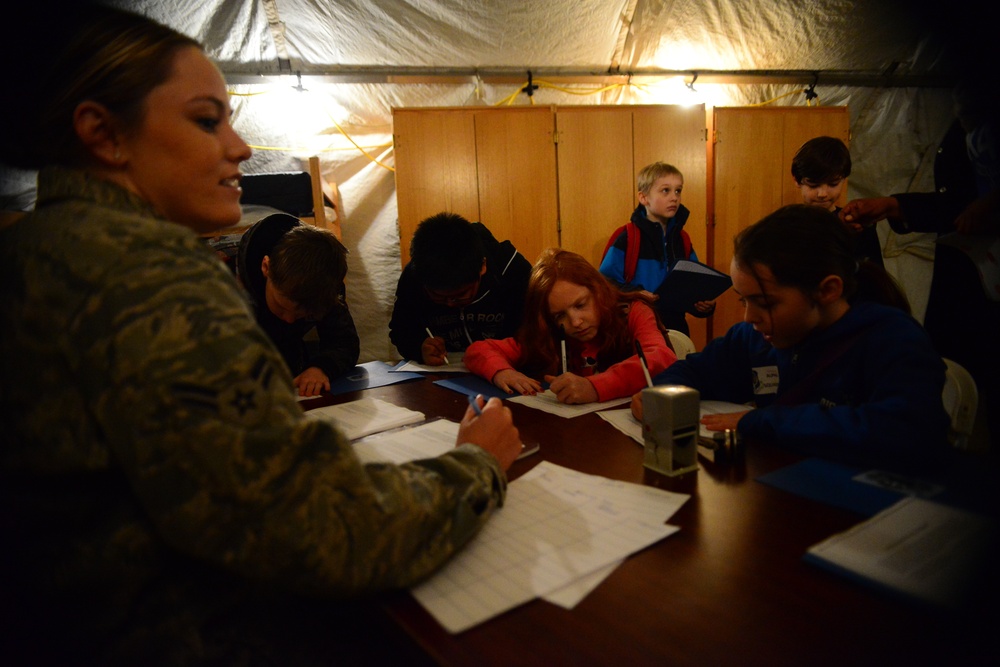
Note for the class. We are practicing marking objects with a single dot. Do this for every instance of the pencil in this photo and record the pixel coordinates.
(562, 345)
(430, 335)
(474, 402)
(645, 366)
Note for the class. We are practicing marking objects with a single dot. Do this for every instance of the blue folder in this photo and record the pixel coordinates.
(367, 376)
(833, 484)
(470, 385)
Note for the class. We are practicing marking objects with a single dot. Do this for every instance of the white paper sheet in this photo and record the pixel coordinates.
(457, 365)
(409, 444)
(645, 501)
(556, 526)
(930, 551)
(623, 420)
(548, 402)
(366, 416)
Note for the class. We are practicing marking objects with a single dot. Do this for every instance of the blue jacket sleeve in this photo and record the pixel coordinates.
(721, 372)
(900, 422)
(613, 265)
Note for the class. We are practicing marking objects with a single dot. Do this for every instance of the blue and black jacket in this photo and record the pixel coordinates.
(658, 252)
(864, 391)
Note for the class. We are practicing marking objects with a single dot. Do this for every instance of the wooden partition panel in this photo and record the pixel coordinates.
(677, 135)
(516, 155)
(753, 150)
(435, 152)
(800, 127)
(596, 180)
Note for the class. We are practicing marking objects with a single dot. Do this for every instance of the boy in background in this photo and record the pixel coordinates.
(460, 285)
(294, 274)
(660, 218)
(820, 169)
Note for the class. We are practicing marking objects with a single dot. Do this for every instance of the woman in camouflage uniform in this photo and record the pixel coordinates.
(160, 480)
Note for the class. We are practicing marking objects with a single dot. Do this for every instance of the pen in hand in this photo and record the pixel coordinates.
(645, 366)
(562, 345)
(527, 449)
(430, 335)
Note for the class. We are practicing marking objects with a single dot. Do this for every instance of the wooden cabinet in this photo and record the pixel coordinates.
(565, 176)
(488, 166)
(602, 149)
(545, 176)
(751, 157)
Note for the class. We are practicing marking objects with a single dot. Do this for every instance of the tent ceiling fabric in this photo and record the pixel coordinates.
(577, 36)
(371, 51)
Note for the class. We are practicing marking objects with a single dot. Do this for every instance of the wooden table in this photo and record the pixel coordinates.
(730, 588)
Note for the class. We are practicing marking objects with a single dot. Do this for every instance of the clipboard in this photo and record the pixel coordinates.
(689, 282)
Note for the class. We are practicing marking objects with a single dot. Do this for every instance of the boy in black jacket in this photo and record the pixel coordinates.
(460, 285)
(294, 274)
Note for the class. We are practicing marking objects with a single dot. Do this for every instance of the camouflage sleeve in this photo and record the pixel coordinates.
(199, 411)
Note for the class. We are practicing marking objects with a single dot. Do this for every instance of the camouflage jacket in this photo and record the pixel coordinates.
(151, 433)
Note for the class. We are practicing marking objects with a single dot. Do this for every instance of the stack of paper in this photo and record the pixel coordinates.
(916, 547)
(557, 527)
(558, 535)
(366, 416)
(418, 442)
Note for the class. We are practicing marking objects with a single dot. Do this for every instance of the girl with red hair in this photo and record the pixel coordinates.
(570, 303)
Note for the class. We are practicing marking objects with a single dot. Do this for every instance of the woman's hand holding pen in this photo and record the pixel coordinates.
(570, 388)
(493, 430)
(510, 381)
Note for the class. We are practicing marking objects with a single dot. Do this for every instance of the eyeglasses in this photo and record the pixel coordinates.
(462, 296)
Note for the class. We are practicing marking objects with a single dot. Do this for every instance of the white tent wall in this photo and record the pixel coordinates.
(317, 78)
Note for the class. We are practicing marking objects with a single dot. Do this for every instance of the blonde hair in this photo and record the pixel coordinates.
(653, 172)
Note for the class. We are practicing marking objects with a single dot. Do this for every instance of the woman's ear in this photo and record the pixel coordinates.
(95, 127)
(830, 289)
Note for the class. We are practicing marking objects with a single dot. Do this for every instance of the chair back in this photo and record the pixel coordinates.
(683, 346)
(961, 399)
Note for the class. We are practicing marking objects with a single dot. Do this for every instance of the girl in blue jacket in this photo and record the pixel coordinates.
(827, 354)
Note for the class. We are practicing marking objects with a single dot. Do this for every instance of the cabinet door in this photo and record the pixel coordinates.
(677, 135)
(596, 178)
(435, 152)
(516, 158)
(753, 150)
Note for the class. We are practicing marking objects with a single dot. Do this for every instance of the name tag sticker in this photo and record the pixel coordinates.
(765, 380)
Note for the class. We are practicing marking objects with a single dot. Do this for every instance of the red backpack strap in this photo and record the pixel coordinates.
(631, 249)
(631, 252)
(686, 240)
(611, 241)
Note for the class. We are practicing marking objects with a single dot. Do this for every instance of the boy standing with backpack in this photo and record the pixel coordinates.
(641, 253)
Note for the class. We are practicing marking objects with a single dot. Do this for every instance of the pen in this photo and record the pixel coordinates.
(562, 345)
(430, 335)
(645, 366)
(474, 402)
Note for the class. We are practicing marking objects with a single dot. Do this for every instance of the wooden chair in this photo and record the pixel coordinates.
(297, 193)
(681, 343)
(961, 400)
